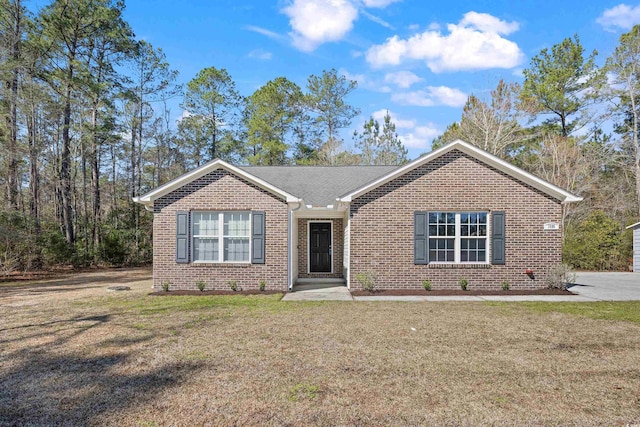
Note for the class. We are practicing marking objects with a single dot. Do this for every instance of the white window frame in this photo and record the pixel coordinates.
(220, 236)
(457, 245)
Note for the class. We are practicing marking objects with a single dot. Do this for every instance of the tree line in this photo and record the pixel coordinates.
(85, 127)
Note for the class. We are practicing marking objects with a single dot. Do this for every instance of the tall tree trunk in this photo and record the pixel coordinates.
(34, 173)
(85, 209)
(12, 118)
(65, 162)
(95, 182)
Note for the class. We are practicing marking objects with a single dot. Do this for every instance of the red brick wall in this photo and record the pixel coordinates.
(220, 191)
(337, 246)
(382, 226)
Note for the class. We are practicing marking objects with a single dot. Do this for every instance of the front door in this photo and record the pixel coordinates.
(320, 247)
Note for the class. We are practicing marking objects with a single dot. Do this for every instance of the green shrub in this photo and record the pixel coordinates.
(201, 285)
(505, 285)
(113, 248)
(367, 279)
(165, 285)
(463, 284)
(597, 243)
(233, 285)
(426, 284)
(262, 285)
(559, 276)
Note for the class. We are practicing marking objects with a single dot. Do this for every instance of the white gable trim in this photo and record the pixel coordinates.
(148, 198)
(490, 159)
(632, 225)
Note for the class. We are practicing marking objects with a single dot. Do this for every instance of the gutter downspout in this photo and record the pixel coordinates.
(290, 245)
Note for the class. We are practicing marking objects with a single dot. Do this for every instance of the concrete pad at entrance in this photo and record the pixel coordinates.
(318, 292)
(607, 286)
(547, 298)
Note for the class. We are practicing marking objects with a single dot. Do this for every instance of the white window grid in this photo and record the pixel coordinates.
(443, 222)
(226, 230)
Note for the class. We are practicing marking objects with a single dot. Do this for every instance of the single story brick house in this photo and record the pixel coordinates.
(457, 212)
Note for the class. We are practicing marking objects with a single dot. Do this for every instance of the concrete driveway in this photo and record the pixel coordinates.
(608, 286)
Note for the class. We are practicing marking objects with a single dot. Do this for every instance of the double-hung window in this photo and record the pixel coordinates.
(458, 237)
(221, 236)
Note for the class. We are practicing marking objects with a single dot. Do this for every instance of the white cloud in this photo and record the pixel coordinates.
(431, 96)
(378, 3)
(400, 123)
(402, 79)
(621, 16)
(314, 22)
(264, 32)
(376, 19)
(474, 43)
(412, 135)
(419, 137)
(183, 116)
(365, 82)
(260, 54)
(488, 23)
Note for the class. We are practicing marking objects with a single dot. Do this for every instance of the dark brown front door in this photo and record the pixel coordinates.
(320, 247)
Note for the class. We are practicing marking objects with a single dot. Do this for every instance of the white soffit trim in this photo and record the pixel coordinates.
(506, 167)
(148, 198)
(632, 225)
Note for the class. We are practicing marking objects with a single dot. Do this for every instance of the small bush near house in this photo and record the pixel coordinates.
(559, 276)
(426, 284)
(463, 284)
(166, 284)
(367, 279)
(505, 285)
(233, 285)
(262, 285)
(201, 285)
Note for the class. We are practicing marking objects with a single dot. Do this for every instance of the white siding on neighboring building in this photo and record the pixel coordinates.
(636, 249)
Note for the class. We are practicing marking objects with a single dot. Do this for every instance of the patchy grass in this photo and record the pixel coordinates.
(628, 311)
(85, 357)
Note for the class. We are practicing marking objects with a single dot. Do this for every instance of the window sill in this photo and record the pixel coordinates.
(221, 264)
(452, 265)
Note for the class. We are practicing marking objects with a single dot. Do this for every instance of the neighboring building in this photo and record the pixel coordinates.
(636, 247)
(457, 212)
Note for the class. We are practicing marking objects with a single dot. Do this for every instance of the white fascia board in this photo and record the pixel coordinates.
(148, 198)
(632, 225)
(490, 159)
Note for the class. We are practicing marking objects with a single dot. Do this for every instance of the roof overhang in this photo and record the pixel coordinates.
(637, 224)
(558, 193)
(148, 198)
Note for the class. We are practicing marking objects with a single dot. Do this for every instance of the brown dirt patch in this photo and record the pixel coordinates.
(457, 292)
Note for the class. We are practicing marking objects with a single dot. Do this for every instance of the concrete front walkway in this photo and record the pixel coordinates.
(589, 287)
(318, 292)
(506, 298)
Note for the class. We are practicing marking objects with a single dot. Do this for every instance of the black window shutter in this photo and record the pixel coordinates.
(182, 237)
(498, 238)
(420, 238)
(257, 238)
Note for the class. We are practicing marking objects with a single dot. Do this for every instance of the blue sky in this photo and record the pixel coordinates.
(419, 59)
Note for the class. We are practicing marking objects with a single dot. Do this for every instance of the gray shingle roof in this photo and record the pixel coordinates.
(318, 185)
